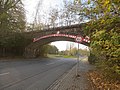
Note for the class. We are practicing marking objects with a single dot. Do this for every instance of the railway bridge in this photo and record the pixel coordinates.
(74, 33)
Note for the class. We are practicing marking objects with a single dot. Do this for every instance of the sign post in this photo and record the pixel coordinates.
(78, 40)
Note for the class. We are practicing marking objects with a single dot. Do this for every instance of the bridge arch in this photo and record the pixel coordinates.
(40, 41)
(73, 33)
(63, 37)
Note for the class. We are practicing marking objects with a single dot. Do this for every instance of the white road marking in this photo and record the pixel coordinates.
(49, 63)
(4, 74)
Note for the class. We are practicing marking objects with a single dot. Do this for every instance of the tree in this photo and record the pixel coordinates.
(37, 23)
(48, 49)
(12, 17)
(69, 15)
(53, 17)
(103, 30)
(12, 22)
(52, 49)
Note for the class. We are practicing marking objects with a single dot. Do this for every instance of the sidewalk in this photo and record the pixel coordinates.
(70, 81)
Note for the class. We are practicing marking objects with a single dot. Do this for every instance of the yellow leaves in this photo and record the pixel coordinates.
(107, 44)
(102, 21)
(109, 8)
(105, 5)
(99, 33)
(106, 2)
(117, 69)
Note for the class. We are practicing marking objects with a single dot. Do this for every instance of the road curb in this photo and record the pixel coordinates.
(58, 82)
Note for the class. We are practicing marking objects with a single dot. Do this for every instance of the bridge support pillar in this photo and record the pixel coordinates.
(31, 52)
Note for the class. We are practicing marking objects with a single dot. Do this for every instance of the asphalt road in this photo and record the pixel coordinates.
(32, 74)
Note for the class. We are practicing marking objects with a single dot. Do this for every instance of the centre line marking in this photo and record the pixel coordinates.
(4, 74)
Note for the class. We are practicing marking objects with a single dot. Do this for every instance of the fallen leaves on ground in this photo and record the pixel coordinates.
(98, 83)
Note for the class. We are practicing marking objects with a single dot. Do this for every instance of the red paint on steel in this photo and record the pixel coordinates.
(59, 35)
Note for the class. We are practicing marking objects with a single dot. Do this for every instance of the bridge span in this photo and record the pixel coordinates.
(73, 33)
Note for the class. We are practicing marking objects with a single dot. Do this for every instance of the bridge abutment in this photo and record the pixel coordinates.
(29, 53)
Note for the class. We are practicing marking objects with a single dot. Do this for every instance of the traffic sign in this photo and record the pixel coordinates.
(79, 39)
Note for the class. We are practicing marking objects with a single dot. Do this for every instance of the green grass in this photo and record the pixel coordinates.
(64, 56)
(54, 55)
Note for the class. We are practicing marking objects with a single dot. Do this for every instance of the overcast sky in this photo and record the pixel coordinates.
(46, 5)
